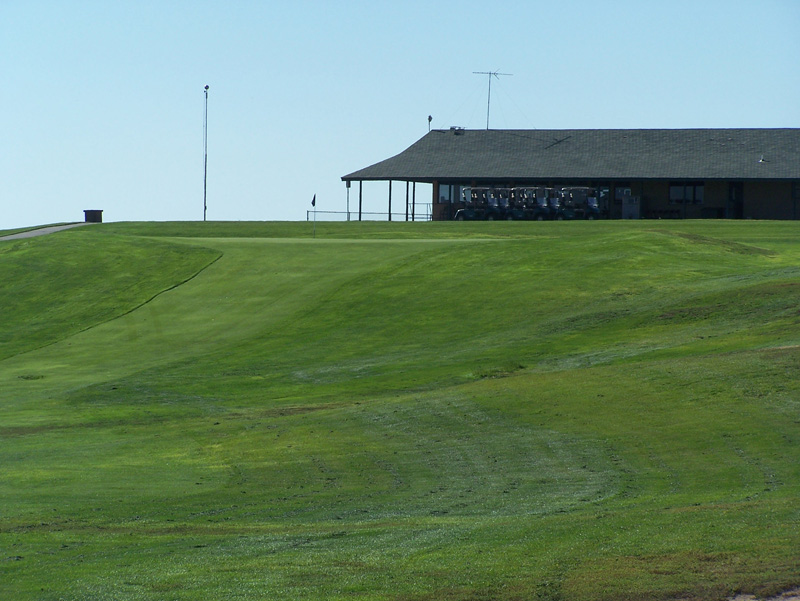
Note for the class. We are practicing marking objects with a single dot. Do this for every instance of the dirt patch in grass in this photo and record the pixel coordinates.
(792, 595)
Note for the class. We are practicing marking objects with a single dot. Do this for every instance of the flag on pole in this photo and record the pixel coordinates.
(314, 204)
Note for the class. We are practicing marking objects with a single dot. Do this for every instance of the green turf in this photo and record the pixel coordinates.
(423, 411)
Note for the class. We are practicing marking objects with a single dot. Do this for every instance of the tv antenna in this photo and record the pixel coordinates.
(489, 98)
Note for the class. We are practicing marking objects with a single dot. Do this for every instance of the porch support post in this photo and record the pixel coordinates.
(360, 197)
(406, 201)
(390, 200)
(348, 199)
(744, 214)
(413, 199)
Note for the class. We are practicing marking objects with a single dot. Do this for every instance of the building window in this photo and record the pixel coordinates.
(686, 193)
(622, 190)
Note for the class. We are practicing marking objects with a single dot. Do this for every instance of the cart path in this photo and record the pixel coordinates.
(43, 231)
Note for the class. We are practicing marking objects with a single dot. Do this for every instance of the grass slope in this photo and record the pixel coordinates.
(401, 411)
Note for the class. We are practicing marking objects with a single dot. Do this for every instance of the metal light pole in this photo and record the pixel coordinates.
(205, 153)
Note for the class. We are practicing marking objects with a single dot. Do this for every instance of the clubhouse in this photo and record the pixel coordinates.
(639, 173)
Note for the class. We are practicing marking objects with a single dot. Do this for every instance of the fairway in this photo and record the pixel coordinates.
(411, 411)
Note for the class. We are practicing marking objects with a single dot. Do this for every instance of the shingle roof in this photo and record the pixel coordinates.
(593, 154)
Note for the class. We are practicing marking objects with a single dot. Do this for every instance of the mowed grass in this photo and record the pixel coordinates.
(423, 411)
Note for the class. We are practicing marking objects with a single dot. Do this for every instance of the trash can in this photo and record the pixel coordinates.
(93, 216)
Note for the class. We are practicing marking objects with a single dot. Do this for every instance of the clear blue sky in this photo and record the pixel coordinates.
(101, 103)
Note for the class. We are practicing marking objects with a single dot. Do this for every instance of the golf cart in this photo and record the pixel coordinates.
(476, 201)
(530, 203)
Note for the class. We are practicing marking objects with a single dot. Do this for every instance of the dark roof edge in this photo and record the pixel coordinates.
(437, 156)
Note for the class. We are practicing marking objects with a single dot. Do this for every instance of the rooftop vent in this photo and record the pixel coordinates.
(457, 131)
